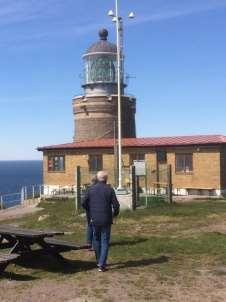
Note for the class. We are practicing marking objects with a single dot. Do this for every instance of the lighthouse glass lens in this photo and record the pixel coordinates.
(100, 69)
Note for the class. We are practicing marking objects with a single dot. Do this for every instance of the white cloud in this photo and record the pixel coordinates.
(165, 15)
(22, 11)
(12, 11)
(57, 21)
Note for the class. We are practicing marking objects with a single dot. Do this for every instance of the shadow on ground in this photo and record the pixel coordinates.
(140, 263)
(128, 242)
(50, 264)
(16, 277)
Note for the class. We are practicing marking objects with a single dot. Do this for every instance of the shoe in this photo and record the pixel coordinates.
(101, 269)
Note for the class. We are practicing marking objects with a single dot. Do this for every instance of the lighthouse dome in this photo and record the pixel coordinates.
(103, 45)
(100, 66)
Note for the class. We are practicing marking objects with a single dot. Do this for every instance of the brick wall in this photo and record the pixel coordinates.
(96, 117)
(206, 166)
(68, 176)
(223, 168)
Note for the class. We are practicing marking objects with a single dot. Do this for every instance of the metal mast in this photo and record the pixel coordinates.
(120, 77)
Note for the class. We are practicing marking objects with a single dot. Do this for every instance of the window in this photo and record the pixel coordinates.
(56, 163)
(101, 69)
(184, 163)
(95, 163)
(161, 156)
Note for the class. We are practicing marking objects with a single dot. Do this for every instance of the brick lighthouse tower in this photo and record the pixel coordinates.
(95, 113)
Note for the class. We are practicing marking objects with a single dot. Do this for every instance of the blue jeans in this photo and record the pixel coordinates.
(89, 234)
(101, 244)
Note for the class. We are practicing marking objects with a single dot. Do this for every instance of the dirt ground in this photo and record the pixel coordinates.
(114, 286)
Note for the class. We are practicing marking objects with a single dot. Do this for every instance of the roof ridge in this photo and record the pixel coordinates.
(223, 137)
(185, 135)
(184, 140)
(152, 137)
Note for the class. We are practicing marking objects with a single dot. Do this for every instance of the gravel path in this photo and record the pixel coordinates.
(17, 212)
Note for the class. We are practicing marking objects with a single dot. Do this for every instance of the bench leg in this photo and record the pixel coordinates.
(16, 248)
(20, 247)
(55, 253)
(52, 251)
(57, 256)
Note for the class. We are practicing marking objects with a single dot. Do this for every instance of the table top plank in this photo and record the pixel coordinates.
(23, 232)
(67, 244)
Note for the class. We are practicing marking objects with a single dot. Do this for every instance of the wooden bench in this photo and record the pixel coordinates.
(5, 259)
(63, 245)
(22, 240)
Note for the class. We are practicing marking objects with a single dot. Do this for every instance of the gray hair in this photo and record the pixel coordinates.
(102, 176)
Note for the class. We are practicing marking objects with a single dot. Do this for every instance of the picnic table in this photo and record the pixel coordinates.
(21, 242)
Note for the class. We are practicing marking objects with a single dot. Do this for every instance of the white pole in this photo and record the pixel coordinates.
(33, 192)
(22, 194)
(1, 203)
(119, 96)
(40, 191)
(25, 193)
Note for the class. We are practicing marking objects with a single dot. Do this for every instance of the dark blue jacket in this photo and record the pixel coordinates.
(100, 201)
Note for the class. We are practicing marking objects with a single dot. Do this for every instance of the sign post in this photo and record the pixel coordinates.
(78, 188)
(141, 170)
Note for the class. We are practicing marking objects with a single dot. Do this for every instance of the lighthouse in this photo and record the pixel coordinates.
(95, 112)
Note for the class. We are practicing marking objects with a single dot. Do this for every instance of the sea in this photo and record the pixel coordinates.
(14, 175)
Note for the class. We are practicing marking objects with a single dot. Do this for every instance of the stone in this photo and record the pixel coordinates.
(43, 217)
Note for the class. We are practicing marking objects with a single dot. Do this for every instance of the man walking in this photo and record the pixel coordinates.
(101, 203)
(89, 232)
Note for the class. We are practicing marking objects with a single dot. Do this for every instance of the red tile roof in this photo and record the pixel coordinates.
(143, 142)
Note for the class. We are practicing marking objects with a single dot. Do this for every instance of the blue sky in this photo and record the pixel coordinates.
(175, 54)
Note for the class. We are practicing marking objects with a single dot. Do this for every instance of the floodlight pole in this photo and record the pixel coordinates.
(120, 69)
(119, 56)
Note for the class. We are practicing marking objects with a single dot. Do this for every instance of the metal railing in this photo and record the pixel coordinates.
(14, 199)
(10, 200)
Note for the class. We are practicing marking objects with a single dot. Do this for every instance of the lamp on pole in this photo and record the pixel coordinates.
(120, 70)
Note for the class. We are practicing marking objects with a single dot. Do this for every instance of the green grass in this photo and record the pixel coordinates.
(152, 201)
(165, 240)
